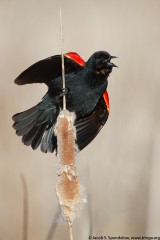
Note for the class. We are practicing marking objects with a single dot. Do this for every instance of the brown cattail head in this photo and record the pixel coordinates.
(68, 188)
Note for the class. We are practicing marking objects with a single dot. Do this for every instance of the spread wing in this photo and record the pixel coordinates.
(47, 69)
(89, 127)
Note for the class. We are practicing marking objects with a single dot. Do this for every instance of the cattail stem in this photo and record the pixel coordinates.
(68, 187)
(62, 56)
(70, 230)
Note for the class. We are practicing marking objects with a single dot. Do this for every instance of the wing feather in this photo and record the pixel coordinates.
(46, 70)
(89, 127)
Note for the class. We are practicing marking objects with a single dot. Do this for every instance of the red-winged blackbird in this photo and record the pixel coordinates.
(86, 95)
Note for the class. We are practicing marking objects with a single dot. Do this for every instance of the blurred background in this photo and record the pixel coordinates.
(120, 169)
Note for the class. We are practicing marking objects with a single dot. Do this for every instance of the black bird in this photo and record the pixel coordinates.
(86, 95)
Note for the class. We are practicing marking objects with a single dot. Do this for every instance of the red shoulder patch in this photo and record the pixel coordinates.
(74, 56)
(106, 99)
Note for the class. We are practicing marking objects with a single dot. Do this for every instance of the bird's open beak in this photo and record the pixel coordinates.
(112, 65)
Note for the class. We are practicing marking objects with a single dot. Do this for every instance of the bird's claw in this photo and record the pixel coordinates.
(64, 92)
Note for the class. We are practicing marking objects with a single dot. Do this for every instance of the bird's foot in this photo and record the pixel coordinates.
(64, 92)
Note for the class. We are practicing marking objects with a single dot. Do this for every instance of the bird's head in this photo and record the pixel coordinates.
(100, 63)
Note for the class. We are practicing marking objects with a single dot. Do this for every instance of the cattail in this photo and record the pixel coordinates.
(68, 189)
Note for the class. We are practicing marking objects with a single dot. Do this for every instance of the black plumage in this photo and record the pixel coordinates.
(86, 84)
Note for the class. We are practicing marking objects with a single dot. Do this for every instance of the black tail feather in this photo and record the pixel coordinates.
(37, 138)
(28, 137)
(23, 123)
(25, 114)
(25, 129)
(49, 141)
(35, 125)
